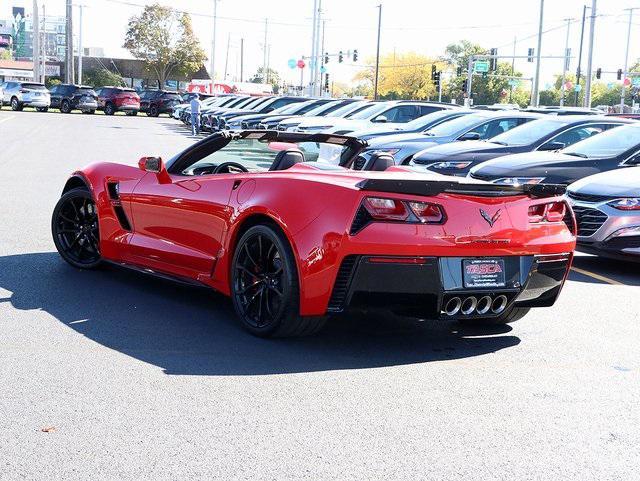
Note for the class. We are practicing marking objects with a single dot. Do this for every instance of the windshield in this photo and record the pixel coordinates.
(323, 109)
(349, 109)
(529, 132)
(258, 156)
(84, 91)
(293, 108)
(456, 125)
(175, 97)
(259, 102)
(607, 144)
(429, 119)
(371, 111)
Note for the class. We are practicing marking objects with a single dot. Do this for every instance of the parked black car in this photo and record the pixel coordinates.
(68, 97)
(614, 149)
(251, 121)
(156, 102)
(549, 133)
(269, 105)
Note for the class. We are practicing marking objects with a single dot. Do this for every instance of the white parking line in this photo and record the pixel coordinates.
(6, 118)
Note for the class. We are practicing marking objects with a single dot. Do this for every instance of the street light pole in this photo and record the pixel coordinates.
(80, 52)
(375, 83)
(579, 72)
(314, 31)
(566, 63)
(213, 43)
(592, 29)
(626, 61)
(536, 83)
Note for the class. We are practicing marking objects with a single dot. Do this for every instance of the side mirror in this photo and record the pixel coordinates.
(470, 136)
(380, 119)
(151, 164)
(552, 146)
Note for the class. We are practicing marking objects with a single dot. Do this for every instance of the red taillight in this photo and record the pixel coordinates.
(427, 212)
(551, 212)
(386, 209)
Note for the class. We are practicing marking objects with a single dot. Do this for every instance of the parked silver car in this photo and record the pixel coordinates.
(607, 210)
(25, 94)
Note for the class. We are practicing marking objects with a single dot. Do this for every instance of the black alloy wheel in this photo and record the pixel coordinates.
(74, 226)
(264, 285)
(153, 111)
(109, 109)
(65, 108)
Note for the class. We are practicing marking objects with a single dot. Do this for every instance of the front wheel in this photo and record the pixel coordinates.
(16, 106)
(264, 285)
(65, 108)
(74, 226)
(109, 109)
(153, 112)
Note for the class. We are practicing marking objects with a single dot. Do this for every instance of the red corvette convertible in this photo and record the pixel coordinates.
(280, 223)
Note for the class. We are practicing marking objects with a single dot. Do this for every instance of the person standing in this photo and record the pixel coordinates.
(195, 105)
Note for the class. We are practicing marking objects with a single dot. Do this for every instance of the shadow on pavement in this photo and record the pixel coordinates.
(626, 272)
(193, 331)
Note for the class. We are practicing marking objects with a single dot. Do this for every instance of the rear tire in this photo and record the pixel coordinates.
(513, 315)
(75, 230)
(16, 105)
(264, 286)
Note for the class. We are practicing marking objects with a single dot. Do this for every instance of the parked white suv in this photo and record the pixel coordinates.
(25, 94)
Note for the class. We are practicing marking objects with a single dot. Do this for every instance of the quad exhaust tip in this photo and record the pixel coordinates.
(472, 305)
(453, 306)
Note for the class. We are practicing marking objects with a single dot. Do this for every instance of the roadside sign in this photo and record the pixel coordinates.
(481, 66)
(513, 82)
(635, 81)
(577, 88)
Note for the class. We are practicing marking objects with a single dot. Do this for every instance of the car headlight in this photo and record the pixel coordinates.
(626, 232)
(391, 152)
(450, 165)
(317, 127)
(628, 203)
(518, 180)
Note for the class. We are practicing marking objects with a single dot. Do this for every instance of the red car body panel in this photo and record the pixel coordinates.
(187, 226)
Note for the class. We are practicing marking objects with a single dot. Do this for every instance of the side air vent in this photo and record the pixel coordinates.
(122, 217)
(112, 188)
(341, 286)
(360, 221)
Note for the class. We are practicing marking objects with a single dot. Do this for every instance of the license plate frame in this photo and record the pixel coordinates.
(485, 273)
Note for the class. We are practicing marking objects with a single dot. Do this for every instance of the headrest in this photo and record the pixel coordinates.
(380, 162)
(286, 159)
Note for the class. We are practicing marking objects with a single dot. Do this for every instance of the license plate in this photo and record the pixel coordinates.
(483, 273)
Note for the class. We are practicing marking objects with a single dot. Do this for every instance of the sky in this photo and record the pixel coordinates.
(422, 26)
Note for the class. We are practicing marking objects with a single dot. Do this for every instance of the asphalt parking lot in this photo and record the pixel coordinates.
(111, 375)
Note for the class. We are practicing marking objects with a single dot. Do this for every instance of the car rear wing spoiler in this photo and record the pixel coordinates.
(434, 187)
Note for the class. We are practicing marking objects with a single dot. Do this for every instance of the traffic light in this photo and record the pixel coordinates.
(619, 74)
(326, 57)
(436, 80)
(340, 57)
(530, 54)
(493, 61)
(459, 72)
(599, 73)
(433, 72)
(355, 55)
(464, 85)
(326, 82)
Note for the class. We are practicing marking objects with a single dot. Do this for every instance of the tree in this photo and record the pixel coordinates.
(401, 76)
(101, 77)
(484, 90)
(164, 39)
(5, 54)
(273, 77)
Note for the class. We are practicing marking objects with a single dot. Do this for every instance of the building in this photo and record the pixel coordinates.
(23, 70)
(54, 38)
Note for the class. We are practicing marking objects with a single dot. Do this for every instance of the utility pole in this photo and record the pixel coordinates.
(226, 60)
(536, 83)
(375, 83)
(212, 68)
(43, 47)
(579, 72)
(313, 48)
(513, 68)
(264, 53)
(592, 31)
(36, 43)
(68, 58)
(242, 60)
(566, 63)
(324, 24)
(626, 60)
(80, 52)
(316, 60)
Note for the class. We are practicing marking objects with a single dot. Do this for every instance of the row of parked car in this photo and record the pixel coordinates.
(70, 97)
(595, 155)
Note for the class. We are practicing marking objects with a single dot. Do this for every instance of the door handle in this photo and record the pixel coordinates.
(236, 184)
